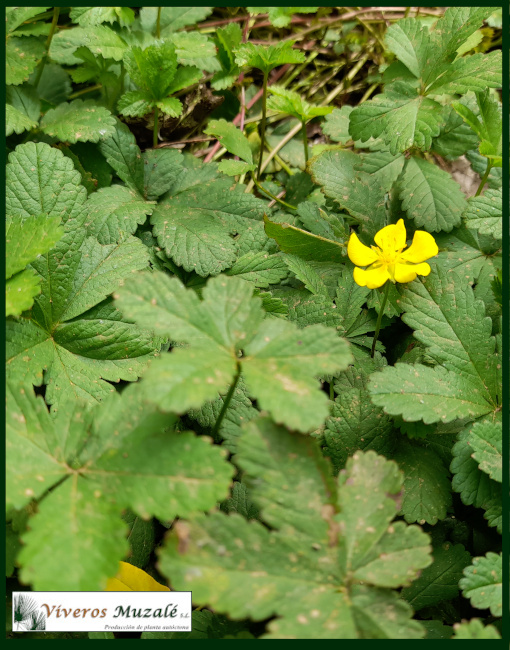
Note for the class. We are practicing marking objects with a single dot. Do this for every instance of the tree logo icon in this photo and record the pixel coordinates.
(25, 614)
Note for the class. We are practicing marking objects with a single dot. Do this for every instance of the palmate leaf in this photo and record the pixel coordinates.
(485, 213)
(279, 362)
(455, 138)
(195, 49)
(79, 121)
(483, 583)
(401, 116)
(430, 196)
(336, 124)
(486, 440)
(297, 570)
(267, 58)
(412, 43)
(75, 343)
(124, 443)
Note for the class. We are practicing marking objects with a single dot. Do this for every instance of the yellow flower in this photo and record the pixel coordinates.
(388, 260)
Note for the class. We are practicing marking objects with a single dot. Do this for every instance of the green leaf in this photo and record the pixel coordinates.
(482, 583)
(227, 39)
(97, 15)
(21, 57)
(195, 49)
(162, 168)
(16, 16)
(99, 39)
(304, 244)
(185, 77)
(141, 464)
(267, 58)
(475, 487)
(476, 72)
(456, 136)
(485, 213)
(152, 69)
(430, 196)
(401, 116)
(452, 324)
(20, 291)
(172, 18)
(307, 275)
(291, 103)
(489, 129)
(26, 240)
(235, 167)
(260, 268)
(474, 629)
(79, 121)
(240, 502)
(141, 539)
(41, 180)
(417, 392)
(32, 468)
(78, 516)
(412, 42)
(195, 226)
(361, 194)
(231, 138)
(281, 16)
(16, 121)
(427, 489)
(112, 213)
(355, 423)
(135, 103)
(439, 581)
(336, 124)
(486, 440)
(297, 569)
(170, 106)
(23, 109)
(123, 154)
(279, 363)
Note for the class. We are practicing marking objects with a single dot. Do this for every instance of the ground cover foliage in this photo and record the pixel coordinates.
(196, 384)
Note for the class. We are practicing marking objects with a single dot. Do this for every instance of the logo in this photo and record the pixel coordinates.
(101, 611)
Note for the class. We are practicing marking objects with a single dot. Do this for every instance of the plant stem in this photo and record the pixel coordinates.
(379, 318)
(84, 91)
(158, 23)
(484, 178)
(275, 198)
(226, 402)
(56, 12)
(305, 142)
(262, 125)
(156, 124)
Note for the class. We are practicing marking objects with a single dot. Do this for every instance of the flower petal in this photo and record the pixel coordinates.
(358, 253)
(371, 278)
(408, 272)
(392, 237)
(423, 248)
